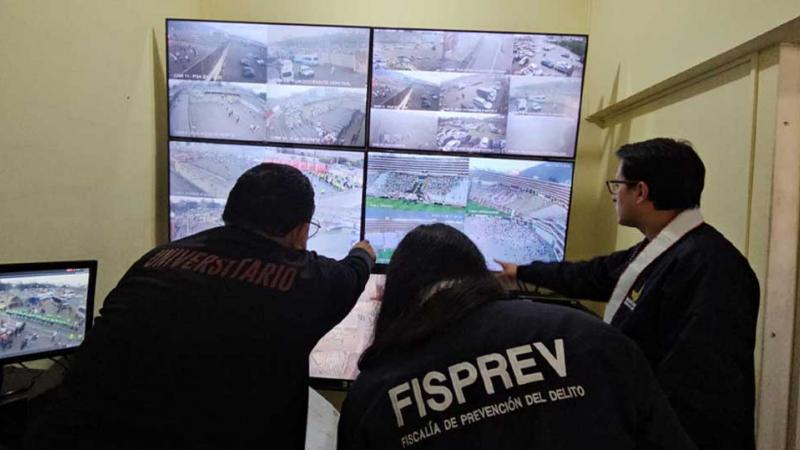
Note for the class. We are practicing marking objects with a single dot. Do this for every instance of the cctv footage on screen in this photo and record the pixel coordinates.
(258, 82)
(202, 175)
(514, 210)
(42, 311)
(476, 92)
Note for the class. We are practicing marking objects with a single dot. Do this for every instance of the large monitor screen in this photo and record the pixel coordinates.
(45, 309)
(495, 93)
(514, 210)
(336, 354)
(202, 175)
(267, 83)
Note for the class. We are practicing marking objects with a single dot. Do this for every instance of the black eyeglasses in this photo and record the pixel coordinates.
(313, 229)
(614, 185)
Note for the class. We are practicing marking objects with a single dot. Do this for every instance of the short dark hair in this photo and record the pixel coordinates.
(270, 198)
(673, 171)
(435, 277)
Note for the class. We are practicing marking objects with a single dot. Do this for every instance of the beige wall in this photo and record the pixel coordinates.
(564, 16)
(633, 45)
(649, 41)
(717, 116)
(78, 129)
(729, 117)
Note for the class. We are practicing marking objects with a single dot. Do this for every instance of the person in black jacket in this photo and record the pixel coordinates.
(204, 342)
(455, 364)
(684, 294)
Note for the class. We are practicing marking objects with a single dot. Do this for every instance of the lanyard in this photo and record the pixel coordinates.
(683, 223)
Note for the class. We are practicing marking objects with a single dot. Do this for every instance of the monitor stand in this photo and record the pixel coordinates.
(7, 392)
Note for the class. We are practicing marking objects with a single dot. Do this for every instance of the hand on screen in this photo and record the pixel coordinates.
(365, 245)
(509, 272)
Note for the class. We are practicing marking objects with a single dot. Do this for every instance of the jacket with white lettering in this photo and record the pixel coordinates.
(512, 374)
(204, 343)
(693, 311)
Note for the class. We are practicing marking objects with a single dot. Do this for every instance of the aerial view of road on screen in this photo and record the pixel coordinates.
(42, 312)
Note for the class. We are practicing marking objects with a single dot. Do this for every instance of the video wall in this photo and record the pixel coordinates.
(394, 128)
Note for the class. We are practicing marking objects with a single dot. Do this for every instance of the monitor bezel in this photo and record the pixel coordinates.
(56, 265)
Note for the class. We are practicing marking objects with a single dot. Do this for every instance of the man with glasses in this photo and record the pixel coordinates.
(684, 294)
(204, 343)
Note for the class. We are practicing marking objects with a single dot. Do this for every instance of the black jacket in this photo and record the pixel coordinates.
(511, 375)
(204, 343)
(693, 311)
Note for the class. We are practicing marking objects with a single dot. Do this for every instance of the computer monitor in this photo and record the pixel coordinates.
(513, 209)
(258, 82)
(45, 308)
(202, 175)
(476, 92)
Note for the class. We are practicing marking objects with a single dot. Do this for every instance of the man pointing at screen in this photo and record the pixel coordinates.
(684, 294)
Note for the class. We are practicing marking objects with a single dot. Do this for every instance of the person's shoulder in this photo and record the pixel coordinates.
(709, 248)
(315, 261)
(315, 258)
(516, 314)
(514, 321)
(707, 236)
(206, 240)
(585, 336)
(371, 384)
(221, 231)
(524, 307)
